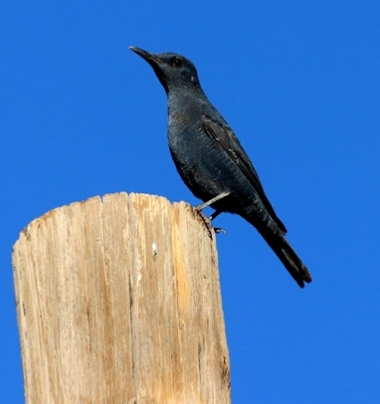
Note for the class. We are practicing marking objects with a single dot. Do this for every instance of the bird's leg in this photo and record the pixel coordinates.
(211, 201)
(217, 229)
(217, 212)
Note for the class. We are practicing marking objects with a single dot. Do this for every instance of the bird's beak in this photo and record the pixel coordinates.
(152, 59)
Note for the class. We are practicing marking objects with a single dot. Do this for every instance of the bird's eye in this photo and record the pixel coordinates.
(178, 62)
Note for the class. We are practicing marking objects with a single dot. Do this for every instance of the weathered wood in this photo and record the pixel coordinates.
(118, 301)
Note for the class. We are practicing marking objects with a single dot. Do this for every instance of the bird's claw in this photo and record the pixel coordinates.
(218, 230)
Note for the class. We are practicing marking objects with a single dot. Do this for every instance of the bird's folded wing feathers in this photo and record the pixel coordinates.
(224, 135)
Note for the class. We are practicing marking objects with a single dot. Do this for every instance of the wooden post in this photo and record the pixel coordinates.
(118, 301)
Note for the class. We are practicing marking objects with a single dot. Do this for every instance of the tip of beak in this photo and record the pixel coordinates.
(139, 51)
(149, 57)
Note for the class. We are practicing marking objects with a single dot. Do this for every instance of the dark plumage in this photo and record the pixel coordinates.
(211, 160)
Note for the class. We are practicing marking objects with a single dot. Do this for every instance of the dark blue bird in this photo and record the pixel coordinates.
(210, 159)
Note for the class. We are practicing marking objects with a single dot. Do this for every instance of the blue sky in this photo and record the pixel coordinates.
(298, 81)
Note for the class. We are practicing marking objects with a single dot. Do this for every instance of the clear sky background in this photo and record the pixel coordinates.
(298, 81)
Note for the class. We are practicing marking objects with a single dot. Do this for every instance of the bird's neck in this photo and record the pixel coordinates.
(180, 97)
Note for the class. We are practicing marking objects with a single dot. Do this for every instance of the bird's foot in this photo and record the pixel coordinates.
(206, 221)
(218, 230)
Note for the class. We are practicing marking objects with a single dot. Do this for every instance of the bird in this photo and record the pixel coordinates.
(211, 160)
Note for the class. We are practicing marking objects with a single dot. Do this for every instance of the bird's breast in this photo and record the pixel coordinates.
(178, 120)
(195, 156)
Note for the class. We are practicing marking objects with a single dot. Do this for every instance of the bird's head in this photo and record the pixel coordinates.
(174, 71)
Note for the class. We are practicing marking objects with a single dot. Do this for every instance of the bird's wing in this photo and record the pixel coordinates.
(224, 135)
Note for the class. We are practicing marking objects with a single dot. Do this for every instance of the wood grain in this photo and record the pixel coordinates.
(118, 301)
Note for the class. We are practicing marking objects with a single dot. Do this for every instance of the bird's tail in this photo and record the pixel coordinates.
(289, 258)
